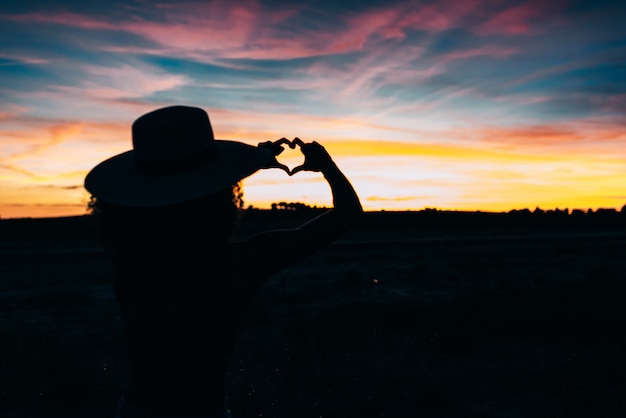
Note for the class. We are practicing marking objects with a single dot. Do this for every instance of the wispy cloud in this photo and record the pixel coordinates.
(11, 60)
(521, 18)
(125, 81)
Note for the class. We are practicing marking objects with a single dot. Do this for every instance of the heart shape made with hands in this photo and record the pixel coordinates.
(291, 155)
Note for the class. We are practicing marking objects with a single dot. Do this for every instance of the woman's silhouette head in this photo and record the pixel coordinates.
(175, 158)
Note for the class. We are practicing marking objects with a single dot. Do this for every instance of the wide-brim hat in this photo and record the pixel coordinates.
(175, 158)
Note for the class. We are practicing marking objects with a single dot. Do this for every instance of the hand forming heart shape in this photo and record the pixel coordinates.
(277, 148)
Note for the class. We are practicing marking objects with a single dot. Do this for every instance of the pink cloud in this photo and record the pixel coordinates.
(224, 29)
(519, 19)
(438, 16)
(584, 137)
(615, 103)
(217, 30)
(493, 51)
(63, 18)
(394, 20)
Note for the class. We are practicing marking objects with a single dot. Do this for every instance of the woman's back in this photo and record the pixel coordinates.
(181, 327)
(179, 293)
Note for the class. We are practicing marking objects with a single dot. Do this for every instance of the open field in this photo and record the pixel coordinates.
(391, 322)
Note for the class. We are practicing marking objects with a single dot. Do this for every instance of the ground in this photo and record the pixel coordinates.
(436, 323)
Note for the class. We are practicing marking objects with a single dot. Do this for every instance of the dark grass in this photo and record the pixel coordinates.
(514, 328)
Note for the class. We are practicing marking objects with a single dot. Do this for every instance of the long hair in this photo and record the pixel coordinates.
(165, 255)
(212, 218)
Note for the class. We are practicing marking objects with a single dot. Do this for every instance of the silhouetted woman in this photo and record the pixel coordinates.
(167, 210)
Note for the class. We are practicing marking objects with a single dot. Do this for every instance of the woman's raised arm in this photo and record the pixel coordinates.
(281, 247)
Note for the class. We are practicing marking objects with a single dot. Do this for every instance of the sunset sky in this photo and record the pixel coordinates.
(458, 104)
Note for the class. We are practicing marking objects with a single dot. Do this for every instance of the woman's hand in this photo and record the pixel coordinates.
(277, 147)
(316, 158)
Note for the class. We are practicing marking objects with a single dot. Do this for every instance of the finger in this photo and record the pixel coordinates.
(297, 141)
(273, 163)
(282, 141)
(276, 146)
(297, 169)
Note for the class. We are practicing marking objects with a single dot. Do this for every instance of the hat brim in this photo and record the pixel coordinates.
(117, 181)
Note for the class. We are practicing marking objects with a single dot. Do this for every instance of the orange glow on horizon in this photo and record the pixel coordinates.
(485, 168)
